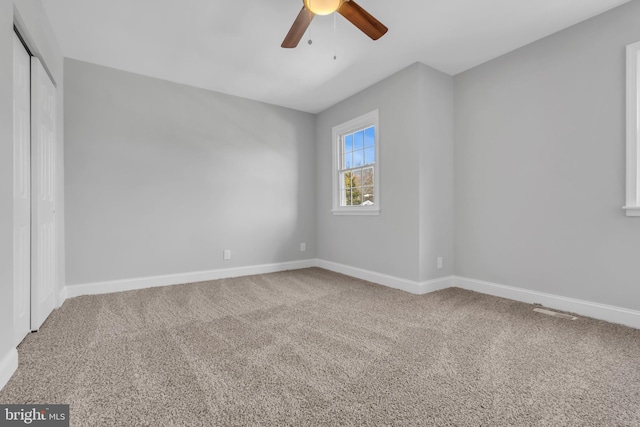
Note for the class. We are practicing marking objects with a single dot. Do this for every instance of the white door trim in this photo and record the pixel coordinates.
(21, 190)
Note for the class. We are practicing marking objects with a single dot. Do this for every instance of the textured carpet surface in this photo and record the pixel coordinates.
(311, 347)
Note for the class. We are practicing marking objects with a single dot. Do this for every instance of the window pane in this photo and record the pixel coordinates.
(367, 195)
(369, 137)
(358, 158)
(369, 155)
(356, 196)
(348, 201)
(358, 140)
(357, 178)
(348, 142)
(347, 179)
(348, 160)
(367, 177)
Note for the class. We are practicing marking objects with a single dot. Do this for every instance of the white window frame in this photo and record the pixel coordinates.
(359, 123)
(632, 206)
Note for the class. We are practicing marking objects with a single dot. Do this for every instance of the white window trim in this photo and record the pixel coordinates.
(366, 120)
(632, 206)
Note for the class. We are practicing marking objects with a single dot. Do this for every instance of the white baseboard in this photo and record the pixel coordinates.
(595, 310)
(584, 308)
(62, 297)
(435, 285)
(8, 365)
(72, 291)
(411, 286)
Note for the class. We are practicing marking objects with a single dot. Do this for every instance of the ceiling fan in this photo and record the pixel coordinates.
(347, 8)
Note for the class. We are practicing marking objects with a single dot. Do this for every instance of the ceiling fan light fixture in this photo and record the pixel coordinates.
(322, 7)
(349, 9)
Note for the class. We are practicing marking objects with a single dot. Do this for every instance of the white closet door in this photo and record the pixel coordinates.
(43, 155)
(21, 191)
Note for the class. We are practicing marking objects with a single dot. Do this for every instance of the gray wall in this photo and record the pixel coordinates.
(31, 19)
(161, 178)
(403, 239)
(539, 166)
(436, 173)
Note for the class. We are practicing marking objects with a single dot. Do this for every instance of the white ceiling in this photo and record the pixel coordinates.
(234, 46)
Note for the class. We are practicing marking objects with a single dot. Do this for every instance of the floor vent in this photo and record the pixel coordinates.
(555, 314)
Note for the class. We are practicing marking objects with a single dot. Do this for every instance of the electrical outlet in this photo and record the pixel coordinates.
(440, 262)
(226, 256)
(303, 247)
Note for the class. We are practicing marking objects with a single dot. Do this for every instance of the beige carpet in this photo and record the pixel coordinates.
(311, 347)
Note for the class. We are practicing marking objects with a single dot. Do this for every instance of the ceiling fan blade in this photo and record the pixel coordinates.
(298, 28)
(362, 19)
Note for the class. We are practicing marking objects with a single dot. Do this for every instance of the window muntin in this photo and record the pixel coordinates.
(356, 166)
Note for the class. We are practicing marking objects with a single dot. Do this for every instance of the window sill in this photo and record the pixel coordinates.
(356, 211)
(632, 210)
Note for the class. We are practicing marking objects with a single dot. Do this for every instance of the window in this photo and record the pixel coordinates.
(356, 167)
(633, 132)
